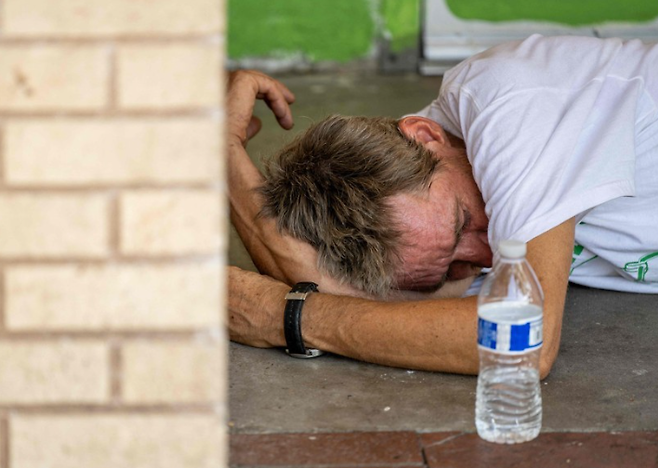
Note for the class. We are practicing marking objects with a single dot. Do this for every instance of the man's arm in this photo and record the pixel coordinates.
(244, 88)
(436, 335)
(274, 253)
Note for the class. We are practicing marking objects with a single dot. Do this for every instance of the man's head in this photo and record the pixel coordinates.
(347, 186)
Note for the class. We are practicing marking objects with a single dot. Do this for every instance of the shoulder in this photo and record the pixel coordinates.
(563, 62)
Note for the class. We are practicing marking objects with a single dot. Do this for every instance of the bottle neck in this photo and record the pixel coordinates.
(506, 260)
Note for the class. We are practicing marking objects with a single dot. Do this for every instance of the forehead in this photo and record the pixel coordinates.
(429, 224)
(420, 220)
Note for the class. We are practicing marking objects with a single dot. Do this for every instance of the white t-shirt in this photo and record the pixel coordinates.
(557, 127)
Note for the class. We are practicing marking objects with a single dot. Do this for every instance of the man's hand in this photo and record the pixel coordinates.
(255, 308)
(244, 88)
(274, 253)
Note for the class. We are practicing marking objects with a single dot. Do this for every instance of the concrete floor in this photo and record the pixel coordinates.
(605, 379)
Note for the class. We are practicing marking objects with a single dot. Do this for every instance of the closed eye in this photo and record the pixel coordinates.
(466, 215)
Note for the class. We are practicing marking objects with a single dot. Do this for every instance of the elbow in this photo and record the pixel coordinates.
(546, 360)
(551, 347)
(549, 351)
(544, 368)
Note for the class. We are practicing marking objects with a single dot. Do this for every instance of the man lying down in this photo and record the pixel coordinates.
(552, 141)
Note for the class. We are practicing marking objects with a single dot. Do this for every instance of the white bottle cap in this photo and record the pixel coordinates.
(512, 249)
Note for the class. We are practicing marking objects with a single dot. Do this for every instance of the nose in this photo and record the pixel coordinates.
(483, 237)
(486, 259)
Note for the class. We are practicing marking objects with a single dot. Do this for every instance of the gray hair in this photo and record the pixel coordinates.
(330, 187)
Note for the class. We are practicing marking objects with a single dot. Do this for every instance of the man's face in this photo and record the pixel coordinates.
(444, 231)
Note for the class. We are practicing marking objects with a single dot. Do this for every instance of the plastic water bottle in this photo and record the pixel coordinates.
(510, 313)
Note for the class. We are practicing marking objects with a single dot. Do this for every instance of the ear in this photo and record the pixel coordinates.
(423, 130)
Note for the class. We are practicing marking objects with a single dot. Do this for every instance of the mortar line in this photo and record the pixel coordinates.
(5, 446)
(100, 189)
(116, 372)
(155, 40)
(170, 409)
(3, 296)
(183, 336)
(114, 224)
(105, 114)
(143, 260)
(421, 450)
(3, 182)
(113, 71)
(2, 19)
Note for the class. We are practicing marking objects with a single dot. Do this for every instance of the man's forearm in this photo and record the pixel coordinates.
(273, 253)
(436, 335)
(244, 178)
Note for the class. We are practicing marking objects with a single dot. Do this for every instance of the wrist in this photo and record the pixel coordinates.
(295, 301)
(276, 335)
(236, 141)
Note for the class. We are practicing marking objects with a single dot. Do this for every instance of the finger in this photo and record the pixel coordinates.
(277, 103)
(283, 114)
(277, 98)
(254, 127)
(276, 95)
(290, 97)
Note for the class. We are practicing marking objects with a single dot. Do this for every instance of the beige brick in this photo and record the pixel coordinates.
(80, 152)
(223, 295)
(173, 372)
(53, 225)
(170, 223)
(71, 18)
(174, 76)
(53, 78)
(131, 297)
(53, 372)
(102, 441)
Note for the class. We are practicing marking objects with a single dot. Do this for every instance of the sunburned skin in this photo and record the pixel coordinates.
(444, 232)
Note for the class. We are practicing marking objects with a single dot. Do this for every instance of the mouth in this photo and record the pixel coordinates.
(422, 285)
(462, 270)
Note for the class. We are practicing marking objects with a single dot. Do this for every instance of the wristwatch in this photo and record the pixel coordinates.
(292, 321)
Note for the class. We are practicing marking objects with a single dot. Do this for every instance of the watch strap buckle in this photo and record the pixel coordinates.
(292, 321)
(310, 353)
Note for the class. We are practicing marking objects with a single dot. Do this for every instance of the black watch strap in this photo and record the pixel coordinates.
(292, 321)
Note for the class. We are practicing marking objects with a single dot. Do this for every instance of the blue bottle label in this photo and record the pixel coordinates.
(507, 338)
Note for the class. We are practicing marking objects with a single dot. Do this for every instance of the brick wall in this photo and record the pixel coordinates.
(111, 234)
